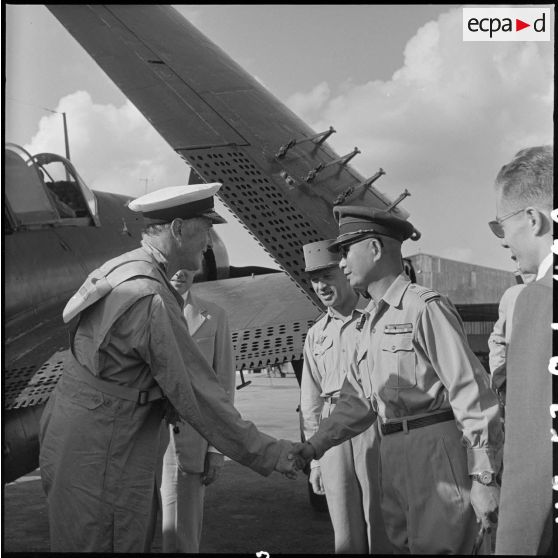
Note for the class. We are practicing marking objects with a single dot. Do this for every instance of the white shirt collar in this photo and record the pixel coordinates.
(544, 266)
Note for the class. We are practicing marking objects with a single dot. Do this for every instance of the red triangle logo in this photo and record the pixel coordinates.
(519, 25)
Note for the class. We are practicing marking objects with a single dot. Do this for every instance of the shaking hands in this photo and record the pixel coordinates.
(294, 457)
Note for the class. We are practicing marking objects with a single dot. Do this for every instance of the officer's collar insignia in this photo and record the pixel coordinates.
(398, 328)
(362, 321)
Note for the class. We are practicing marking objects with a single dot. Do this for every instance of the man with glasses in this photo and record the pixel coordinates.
(413, 370)
(524, 200)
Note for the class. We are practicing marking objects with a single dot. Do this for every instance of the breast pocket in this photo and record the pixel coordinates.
(321, 349)
(398, 361)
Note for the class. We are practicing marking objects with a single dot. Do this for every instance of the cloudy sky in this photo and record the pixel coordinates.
(440, 115)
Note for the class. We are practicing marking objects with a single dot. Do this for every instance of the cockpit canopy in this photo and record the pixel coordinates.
(44, 190)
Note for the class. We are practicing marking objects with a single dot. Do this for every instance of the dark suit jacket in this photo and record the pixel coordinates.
(525, 523)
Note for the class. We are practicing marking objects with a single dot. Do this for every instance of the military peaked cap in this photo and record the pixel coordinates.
(357, 222)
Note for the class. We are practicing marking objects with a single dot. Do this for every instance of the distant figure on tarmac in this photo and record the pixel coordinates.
(131, 358)
(348, 473)
(189, 463)
(413, 370)
(524, 193)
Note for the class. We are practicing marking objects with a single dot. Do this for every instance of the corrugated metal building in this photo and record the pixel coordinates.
(463, 283)
(474, 289)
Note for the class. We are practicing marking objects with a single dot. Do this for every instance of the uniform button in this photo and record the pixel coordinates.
(393, 347)
(373, 330)
(108, 402)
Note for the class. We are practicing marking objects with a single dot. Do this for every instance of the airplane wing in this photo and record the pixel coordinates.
(279, 177)
(277, 180)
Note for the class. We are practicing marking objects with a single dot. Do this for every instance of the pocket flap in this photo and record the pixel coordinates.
(322, 346)
(88, 397)
(396, 343)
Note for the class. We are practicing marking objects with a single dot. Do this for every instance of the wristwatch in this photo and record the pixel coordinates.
(486, 477)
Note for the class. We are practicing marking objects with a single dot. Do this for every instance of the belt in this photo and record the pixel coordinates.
(331, 400)
(141, 397)
(393, 427)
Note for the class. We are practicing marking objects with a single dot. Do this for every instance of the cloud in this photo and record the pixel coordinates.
(443, 125)
(114, 148)
(310, 104)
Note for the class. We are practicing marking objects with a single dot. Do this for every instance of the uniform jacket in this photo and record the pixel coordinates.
(208, 326)
(525, 520)
(413, 360)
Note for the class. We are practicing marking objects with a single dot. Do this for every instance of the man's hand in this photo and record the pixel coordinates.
(302, 453)
(212, 467)
(484, 500)
(316, 481)
(287, 463)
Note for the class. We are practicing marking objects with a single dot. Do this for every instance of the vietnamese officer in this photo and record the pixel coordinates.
(131, 349)
(189, 463)
(414, 372)
(348, 473)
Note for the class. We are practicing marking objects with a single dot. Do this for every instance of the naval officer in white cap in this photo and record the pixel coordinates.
(131, 357)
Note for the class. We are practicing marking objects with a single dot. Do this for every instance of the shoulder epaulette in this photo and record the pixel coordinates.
(424, 293)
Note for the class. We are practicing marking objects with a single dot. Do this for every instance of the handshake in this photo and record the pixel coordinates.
(294, 457)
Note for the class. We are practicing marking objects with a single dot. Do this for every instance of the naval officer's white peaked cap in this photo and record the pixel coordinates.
(184, 202)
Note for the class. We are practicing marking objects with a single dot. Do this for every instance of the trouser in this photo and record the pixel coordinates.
(98, 465)
(350, 477)
(182, 499)
(425, 488)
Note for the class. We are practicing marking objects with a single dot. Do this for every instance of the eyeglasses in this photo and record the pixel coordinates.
(496, 225)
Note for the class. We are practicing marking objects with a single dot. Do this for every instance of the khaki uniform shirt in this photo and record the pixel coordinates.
(328, 348)
(413, 360)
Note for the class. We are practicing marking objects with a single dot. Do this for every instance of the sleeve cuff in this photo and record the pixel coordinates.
(314, 464)
(320, 445)
(484, 459)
